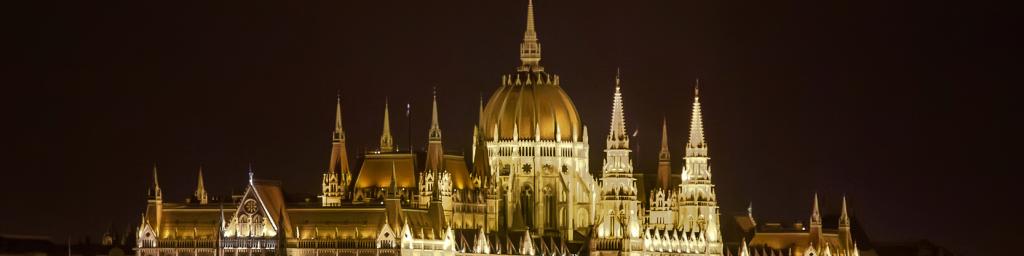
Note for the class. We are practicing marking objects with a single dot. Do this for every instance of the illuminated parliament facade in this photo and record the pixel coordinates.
(526, 189)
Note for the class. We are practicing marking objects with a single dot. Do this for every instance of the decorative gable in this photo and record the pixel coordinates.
(386, 237)
(252, 218)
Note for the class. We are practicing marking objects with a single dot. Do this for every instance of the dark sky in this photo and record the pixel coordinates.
(902, 106)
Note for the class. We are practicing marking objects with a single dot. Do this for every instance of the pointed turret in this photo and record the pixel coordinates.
(696, 156)
(529, 49)
(846, 242)
(337, 177)
(154, 191)
(815, 230)
(618, 187)
(393, 185)
(695, 146)
(697, 192)
(477, 129)
(844, 219)
(155, 203)
(664, 157)
(481, 164)
(393, 201)
(386, 142)
(617, 137)
(815, 213)
(435, 151)
(200, 193)
(339, 152)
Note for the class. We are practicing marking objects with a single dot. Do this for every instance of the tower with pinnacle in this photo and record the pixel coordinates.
(387, 143)
(697, 206)
(664, 158)
(200, 194)
(618, 193)
(338, 175)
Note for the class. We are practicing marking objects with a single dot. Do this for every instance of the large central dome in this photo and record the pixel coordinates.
(530, 102)
(534, 103)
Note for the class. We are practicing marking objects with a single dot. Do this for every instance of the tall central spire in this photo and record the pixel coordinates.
(617, 138)
(529, 50)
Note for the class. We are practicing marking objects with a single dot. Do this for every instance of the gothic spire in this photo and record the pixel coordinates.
(664, 156)
(815, 213)
(529, 50)
(844, 218)
(155, 192)
(435, 151)
(339, 152)
(200, 193)
(696, 145)
(617, 137)
(435, 127)
(386, 142)
(393, 186)
(339, 133)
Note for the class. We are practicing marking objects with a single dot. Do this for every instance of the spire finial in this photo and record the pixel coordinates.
(251, 174)
(618, 76)
(696, 88)
(529, 49)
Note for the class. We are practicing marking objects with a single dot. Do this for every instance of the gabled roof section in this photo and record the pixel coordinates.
(270, 201)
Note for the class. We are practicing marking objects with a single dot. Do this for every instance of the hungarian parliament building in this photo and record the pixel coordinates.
(526, 189)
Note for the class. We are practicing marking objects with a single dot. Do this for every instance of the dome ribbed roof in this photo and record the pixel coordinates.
(530, 100)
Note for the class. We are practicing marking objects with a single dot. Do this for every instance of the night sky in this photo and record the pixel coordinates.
(903, 107)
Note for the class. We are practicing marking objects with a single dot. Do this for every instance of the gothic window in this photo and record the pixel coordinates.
(550, 201)
(527, 168)
(506, 169)
(565, 168)
(526, 205)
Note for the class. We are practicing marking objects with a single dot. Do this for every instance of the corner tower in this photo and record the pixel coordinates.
(619, 205)
(697, 207)
(338, 176)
